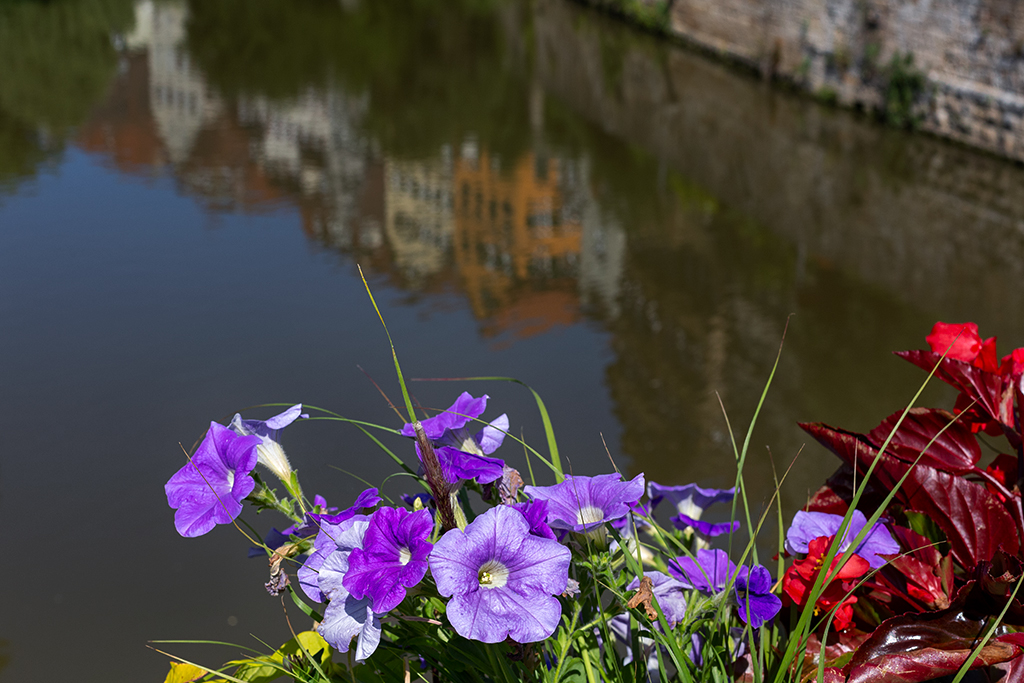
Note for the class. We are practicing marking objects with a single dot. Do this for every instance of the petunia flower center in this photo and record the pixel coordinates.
(404, 555)
(589, 515)
(492, 574)
(231, 479)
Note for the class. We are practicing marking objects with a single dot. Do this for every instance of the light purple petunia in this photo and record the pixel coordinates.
(393, 557)
(502, 579)
(327, 528)
(712, 571)
(705, 530)
(808, 526)
(690, 500)
(347, 617)
(270, 451)
(210, 488)
(584, 504)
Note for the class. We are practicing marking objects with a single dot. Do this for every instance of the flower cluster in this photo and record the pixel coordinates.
(481, 576)
(511, 573)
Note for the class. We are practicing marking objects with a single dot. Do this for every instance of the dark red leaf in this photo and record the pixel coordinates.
(992, 391)
(835, 495)
(919, 647)
(974, 520)
(956, 450)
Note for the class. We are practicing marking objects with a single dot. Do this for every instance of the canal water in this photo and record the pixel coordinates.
(187, 191)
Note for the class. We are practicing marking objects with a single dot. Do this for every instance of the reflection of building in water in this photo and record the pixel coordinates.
(516, 250)
(530, 244)
(179, 98)
(418, 215)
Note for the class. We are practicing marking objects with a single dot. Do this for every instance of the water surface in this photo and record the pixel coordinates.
(532, 190)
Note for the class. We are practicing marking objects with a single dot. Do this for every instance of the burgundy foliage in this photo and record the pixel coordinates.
(922, 614)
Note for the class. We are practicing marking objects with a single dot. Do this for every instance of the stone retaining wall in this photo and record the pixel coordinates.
(970, 53)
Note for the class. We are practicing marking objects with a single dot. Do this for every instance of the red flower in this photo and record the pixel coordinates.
(1013, 364)
(964, 343)
(800, 577)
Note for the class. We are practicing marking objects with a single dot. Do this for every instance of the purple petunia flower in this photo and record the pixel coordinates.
(327, 528)
(463, 455)
(347, 617)
(536, 513)
(271, 454)
(460, 466)
(502, 580)
(704, 530)
(712, 571)
(709, 572)
(808, 526)
(756, 602)
(690, 500)
(583, 504)
(210, 488)
(449, 427)
(393, 557)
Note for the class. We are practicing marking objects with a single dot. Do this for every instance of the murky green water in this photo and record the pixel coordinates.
(532, 190)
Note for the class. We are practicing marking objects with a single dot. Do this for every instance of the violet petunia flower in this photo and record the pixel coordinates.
(808, 526)
(536, 513)
(448, 428)
(502, 580)
(393, 557)
(347, 617)
(757, 603)
(690, 500)
(709, 572)
(327, 528)
(704, 530)
(460, 466)
(210, 488)
(712, 571)
(271, 454)
(584, 504)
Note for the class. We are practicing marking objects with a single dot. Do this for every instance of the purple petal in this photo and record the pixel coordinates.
(690, 500)
(808, 526)
(464, 409)
(532, 571)
(704, 529)
(459, 465)
(343, 537)
(393, 557)
(282, 420)
(210, 488)
(346, 617)
(491, 436)
(753, 592)
(584, 503)
(491, 616)
(709, 572)
(536, 512)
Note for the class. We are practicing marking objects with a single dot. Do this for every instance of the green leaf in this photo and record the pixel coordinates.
(573, 671)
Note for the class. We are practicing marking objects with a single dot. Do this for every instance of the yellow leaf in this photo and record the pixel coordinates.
(184, 673)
